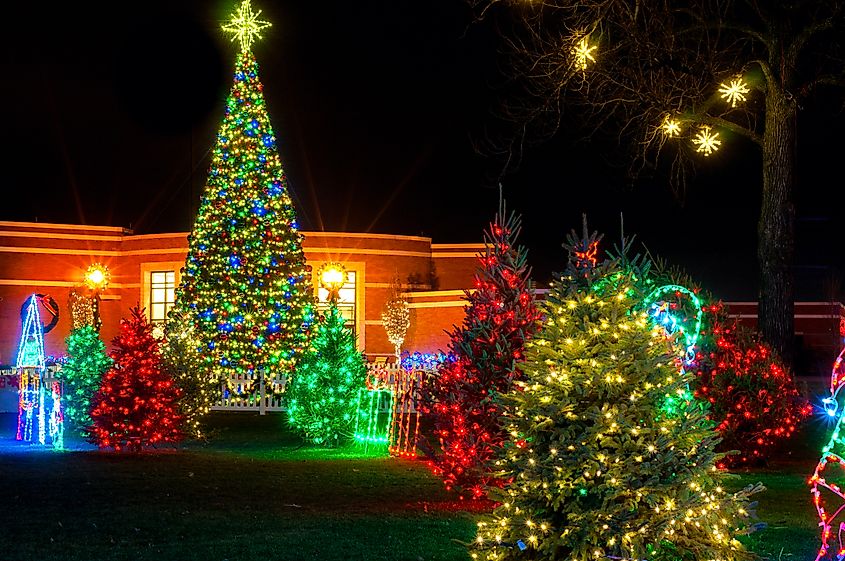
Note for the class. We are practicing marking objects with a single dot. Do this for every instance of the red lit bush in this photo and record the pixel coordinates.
(753, 397)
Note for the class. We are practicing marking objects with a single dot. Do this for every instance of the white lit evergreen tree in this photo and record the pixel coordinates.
(599, 467)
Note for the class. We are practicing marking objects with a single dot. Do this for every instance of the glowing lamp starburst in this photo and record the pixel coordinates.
(97, 277)
(245, 25)
(583, 53)
(707, 141)
(734, 92)
(671, 128)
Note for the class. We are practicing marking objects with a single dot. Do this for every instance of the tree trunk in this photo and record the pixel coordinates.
(776, 228)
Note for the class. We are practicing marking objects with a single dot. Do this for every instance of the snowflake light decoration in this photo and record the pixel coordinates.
(671, 127)
(707, 141)
(245, 25)
(583, 53)
(734, 92)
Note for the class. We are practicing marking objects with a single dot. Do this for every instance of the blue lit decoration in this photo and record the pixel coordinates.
(424, 361)
(33, 405)
(677, 310)
(666, 309)
(832, 453)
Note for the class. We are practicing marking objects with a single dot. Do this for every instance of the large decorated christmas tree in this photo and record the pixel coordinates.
(137, 403)
(245, 287)
(599, 467)
(464, 399)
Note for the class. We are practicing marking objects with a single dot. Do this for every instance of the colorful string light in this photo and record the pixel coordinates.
(245, 287)
(35, 413)
(832, 453)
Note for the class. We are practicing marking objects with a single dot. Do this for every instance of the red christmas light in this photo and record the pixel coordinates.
(135, 406)
(463, 400)
(753, 398)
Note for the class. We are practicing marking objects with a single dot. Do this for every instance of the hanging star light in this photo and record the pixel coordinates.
(735, 92)
(245, 25)
(583, 53)
(707, 141)
(671, 127)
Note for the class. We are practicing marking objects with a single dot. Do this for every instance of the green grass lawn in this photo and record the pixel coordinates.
(254, 493)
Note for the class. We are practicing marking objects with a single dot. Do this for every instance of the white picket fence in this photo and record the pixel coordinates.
(261, 393)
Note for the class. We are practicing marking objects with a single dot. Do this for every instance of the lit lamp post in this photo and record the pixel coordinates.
(332, 278)
(96, 279)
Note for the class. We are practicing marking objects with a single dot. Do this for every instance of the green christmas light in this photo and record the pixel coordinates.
(322, 397)
(374, 417)
(81, 374)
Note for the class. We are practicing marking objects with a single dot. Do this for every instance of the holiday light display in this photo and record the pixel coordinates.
(39, 414)
(30, 365)
(84, 310)
(322, 396)
(97, 277)
(583, 53)
(707, 141)
(82, 373)
(665, 313)
(832, 455)
(183, 362)
(463, 399)
(373, 417)
(425, 361)
(734, 92)
(405, 429)
(595, 469)
(396, 317)
(245, 25)
(245, 287)
(136, 404)
(753, 397)
(671, 127)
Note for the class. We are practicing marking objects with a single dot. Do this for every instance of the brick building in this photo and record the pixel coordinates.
(52, 259)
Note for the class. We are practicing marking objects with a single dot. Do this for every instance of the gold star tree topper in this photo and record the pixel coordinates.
(245, 25)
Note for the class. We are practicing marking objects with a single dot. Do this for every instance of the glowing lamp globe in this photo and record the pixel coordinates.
(332, 277)
(97, 277)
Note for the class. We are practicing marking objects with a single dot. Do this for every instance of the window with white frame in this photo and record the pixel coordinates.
(345, 301)
(162, 294)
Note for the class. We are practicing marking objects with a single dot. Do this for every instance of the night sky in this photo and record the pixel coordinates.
(110, 112)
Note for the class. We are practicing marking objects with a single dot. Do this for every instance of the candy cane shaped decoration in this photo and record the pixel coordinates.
(831, 454)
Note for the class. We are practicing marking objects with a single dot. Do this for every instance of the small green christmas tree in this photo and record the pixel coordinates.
(182, 361)
(598, 468)
(87, 361)
(322, 397)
